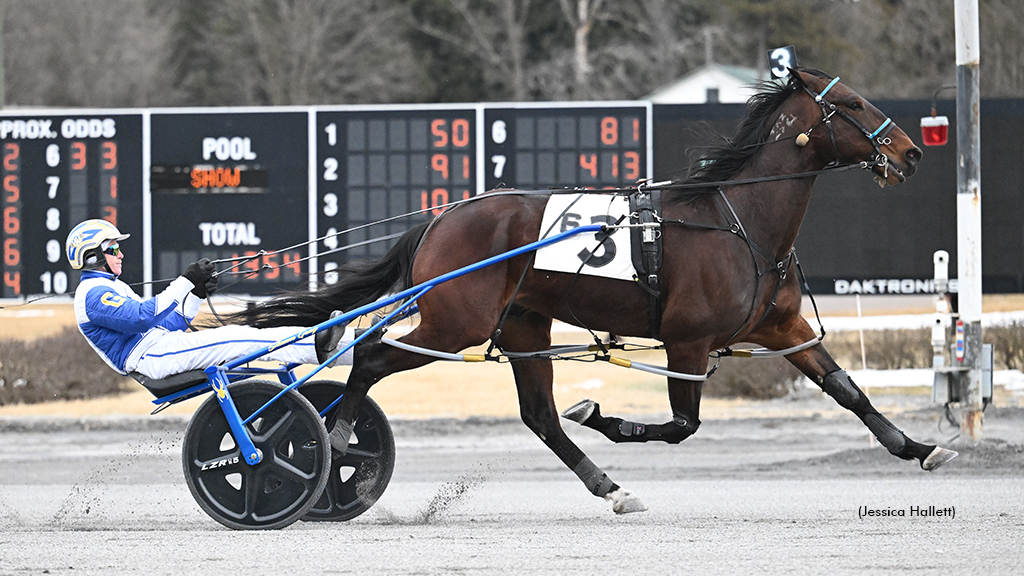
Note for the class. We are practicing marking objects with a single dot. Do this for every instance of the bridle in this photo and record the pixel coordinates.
(878, 137)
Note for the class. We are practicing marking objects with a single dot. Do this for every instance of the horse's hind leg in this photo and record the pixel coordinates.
(372, 361)
(819, 366)
(530, 332)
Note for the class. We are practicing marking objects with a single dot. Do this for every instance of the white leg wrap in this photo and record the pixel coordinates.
(624, 502)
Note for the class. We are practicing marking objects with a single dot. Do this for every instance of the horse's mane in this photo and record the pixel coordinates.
(723, 160)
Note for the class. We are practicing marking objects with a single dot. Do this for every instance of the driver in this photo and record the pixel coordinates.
(149, 336)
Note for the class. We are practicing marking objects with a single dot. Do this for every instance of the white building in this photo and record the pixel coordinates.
(710, 83)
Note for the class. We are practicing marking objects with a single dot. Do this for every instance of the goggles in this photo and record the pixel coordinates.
(113, 250)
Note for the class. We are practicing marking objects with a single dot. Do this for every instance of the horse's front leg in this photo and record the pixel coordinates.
(818, 365)
(684, 398)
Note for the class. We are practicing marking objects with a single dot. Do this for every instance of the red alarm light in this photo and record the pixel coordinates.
(935, 130)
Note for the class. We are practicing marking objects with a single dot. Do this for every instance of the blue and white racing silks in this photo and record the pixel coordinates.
(120, 325)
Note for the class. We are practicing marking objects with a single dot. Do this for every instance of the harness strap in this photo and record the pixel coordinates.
(827, 88)
(888, 122)
(645, 233)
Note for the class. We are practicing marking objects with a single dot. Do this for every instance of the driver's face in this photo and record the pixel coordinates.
(114, 262)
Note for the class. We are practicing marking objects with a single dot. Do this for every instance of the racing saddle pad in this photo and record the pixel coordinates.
(600, 254)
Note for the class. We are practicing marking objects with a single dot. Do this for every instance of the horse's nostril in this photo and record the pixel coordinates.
(913, 156)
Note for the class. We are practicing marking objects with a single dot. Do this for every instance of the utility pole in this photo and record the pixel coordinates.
(968, 210)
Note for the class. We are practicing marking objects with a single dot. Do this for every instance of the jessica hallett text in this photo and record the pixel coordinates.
(908, 512)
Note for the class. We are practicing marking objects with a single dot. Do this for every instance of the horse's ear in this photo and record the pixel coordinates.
(797, 77)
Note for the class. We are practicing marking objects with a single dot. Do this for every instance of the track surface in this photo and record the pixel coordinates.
(745, 496)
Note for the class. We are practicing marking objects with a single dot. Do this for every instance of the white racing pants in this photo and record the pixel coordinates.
(175, 352)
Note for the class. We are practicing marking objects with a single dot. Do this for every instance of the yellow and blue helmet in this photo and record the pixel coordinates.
(84, 247)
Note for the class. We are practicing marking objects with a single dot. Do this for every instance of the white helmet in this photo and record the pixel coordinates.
(84, 247)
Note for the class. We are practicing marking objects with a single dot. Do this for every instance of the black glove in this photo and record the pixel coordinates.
(199, 273)
(211, 285)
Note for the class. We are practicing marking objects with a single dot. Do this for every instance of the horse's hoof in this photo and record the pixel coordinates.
(624, 502)
(580, 411)
(937, 458)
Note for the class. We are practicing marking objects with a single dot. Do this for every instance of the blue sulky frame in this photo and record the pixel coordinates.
(220, 376)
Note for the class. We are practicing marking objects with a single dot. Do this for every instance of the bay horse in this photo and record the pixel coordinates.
(722, 282)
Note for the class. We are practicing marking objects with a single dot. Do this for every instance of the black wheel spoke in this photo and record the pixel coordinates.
(357, 455)
(286, 469)
(276, 430)
(251, 486)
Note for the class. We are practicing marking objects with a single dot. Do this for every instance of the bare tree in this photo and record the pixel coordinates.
(652, 43)
(133, 53)
(96, 53)
(581, 15)
(492, 31)
(1002, 48)
(318, 51)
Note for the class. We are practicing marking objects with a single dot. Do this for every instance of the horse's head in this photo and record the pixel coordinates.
(852, 130)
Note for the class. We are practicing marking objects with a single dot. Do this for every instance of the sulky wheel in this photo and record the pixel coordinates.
(284, 485)
(358, 477)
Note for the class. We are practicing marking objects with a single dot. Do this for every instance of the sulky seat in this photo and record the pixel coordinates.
(161, 387)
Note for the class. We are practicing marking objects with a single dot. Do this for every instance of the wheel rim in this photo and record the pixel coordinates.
(284, 485)
(359, 477)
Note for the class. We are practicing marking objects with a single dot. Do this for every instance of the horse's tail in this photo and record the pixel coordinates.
(359, 283)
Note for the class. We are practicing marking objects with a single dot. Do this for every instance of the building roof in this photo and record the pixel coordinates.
(730, 84)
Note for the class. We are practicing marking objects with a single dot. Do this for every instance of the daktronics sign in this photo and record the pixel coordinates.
(888, 286)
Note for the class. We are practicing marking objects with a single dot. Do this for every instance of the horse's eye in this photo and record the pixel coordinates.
(856, 105)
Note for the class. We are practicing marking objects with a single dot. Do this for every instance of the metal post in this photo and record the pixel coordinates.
(968, 205)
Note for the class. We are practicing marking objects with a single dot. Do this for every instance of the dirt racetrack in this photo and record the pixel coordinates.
(774, 494)
(784, 486)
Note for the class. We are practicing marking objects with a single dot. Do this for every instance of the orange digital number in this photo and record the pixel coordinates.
(273, 272)
(11, 153)
(632, 165)
(13, 280)
(589, 164)
(609, 130)
(432, 201)
(636, 129)
(615, 166)
(437, 128)
(78, 155)
(465, 167)
(11, 188)
(12, 224)
(12, 256)
(460, 132)
(113, 186)
(109, 155)
(110, 214)
(251, 264)
(439, 162)
(293, 262)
